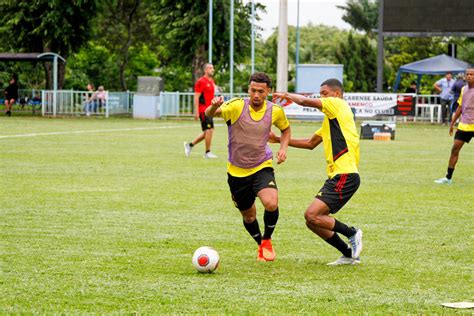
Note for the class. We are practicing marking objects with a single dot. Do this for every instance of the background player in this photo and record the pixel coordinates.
(204, 91)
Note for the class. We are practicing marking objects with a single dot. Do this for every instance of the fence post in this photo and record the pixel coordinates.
(43, 96)
(107, 104)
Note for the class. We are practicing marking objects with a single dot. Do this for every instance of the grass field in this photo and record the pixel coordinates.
(102, 216)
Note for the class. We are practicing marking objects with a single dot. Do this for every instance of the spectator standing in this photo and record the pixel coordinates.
(443, 87)
(11, 95)
(100, 96)
(456, 91)
(411, 88)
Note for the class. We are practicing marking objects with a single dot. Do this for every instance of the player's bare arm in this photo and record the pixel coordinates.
(196, 106)
(214, 108)
(299, 99)
(456, 115)
(305, 143)
(284, 141)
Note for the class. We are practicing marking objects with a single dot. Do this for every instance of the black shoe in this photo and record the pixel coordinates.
(8, 113)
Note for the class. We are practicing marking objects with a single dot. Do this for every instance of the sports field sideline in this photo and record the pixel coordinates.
(102, 216)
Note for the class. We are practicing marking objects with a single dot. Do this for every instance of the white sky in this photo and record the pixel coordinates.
(314, 11)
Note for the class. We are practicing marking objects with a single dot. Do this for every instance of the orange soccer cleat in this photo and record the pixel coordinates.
(260, 254)
(267, 250)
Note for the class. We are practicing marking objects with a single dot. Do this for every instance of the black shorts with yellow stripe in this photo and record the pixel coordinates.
(244, 189)
(206, 122)
(338, 190)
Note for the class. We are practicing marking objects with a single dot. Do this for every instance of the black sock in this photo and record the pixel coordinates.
(340, 245)
(270, 219)
(190, 144)
(208, 151)
(449, 175)
(254, 231)
(343, 229)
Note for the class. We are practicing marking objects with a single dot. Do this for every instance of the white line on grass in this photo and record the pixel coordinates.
(99, 131)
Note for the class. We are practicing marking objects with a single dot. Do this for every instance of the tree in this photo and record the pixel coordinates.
(46, 26)
(123, 26)
(182, 28)
(318, 45)
(359, 58)
(362, 15)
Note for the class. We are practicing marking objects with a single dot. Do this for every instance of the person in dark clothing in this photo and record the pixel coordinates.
(11, 95)
(456, 91)
(411, 88)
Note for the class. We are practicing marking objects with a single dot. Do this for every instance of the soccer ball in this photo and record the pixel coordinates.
(206, 259)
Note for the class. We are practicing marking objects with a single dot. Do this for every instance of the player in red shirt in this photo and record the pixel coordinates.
(203, 94)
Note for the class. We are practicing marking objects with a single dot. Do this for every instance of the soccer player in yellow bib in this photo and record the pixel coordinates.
(341, 148)
(465, 130)
(249, 168)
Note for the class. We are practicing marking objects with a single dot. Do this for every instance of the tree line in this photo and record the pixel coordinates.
(110, 43)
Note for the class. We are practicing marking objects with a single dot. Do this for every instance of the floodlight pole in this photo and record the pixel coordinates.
(210, 32)
(253, 37)
(231, 64)
(297, 57)
(282, 54)
(380, 45)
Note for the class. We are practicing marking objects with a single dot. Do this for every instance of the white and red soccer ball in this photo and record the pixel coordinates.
(206, 259)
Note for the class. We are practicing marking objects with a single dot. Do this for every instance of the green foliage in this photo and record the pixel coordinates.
(359, 57)
(182, 27)
(106, 222)
(42, 25)
(123, 27)
(403, 50)
(46, 26)
(318, 45)
(362, 15)
(178, 78)
(92, 64)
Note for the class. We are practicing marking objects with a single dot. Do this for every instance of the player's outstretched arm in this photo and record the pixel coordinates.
(305, 143)
(301, 100)
(214, 108)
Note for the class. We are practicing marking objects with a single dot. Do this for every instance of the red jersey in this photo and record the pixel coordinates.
(205, 87)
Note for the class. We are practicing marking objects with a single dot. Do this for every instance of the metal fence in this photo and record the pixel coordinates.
(171, 104)
(427, 105)
(70, 102)
(182, 103)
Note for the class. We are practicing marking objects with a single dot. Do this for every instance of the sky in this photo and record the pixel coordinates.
(314, 11)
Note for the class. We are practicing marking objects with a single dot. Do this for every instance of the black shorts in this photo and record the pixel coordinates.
(464, 136)
(206, 122)
(336, 192)
(244, 190)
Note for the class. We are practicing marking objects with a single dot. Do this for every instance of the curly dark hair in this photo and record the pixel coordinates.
(261, 77)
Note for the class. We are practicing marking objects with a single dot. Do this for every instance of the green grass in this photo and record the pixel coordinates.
(106, 222)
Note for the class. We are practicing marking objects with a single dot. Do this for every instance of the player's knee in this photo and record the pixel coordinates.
(271, 205)
(309, 217)
(313, 218)
(249, 218)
